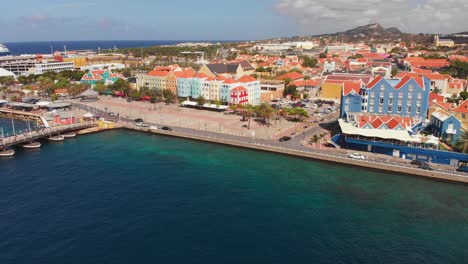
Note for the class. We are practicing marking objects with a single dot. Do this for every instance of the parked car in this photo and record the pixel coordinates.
(111, 113)
(416, 162)
(426, 166)
(285, 138)
(166, 128)
(153, 127)
(463, 169)
(139, 120)
(356, 156)
(141, 124)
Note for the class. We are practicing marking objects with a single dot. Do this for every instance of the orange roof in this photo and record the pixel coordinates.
(421, 71)
(239, 89)
(406, 76)
(247, 79)
(158, 73)
(313, 82)
(61, 91)
(291, 75)
(374, 81)
(229, 81)
(349, 87)
(463, 108)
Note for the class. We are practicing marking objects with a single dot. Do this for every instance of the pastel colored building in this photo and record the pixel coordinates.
(444, 126)
(239, 95)
(406, 97)
(106, 76)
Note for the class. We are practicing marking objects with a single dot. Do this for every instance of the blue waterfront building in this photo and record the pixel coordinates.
(446, 127)
(406, 97)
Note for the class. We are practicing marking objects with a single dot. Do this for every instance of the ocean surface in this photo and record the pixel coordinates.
(17, 125)
(44, 47)
(128, 197)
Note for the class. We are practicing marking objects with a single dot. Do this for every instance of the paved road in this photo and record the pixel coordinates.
(294, 144)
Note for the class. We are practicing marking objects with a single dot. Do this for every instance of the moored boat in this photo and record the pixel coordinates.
(7, 153)
(69, 135)
(56, 138)
(32, 145)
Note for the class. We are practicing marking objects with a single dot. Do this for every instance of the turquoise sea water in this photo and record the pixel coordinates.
(127, 197)
(19, 126)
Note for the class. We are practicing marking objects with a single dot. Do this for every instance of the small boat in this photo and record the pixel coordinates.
(69, 135)
(56, 138)
(7, 153)
(32, 145)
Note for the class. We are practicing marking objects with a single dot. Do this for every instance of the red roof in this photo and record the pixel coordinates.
(239, 89)
(349, 87)
(376, 121)
(247, 79)
(314, 82)
(463, 108)
(291, 75)
(158, 73)
(374, 81)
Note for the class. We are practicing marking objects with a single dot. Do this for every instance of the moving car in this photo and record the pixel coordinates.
(356, 156)
(285, 138)
(166, 128)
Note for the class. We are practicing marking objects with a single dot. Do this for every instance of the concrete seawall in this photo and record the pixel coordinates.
(310, 155)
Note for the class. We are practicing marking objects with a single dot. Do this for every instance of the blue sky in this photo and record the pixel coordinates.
(35, 20)
(141, 19)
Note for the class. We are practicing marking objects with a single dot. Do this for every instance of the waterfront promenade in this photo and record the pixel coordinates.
(294, 147)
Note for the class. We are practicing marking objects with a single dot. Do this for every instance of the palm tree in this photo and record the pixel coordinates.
(463, 142)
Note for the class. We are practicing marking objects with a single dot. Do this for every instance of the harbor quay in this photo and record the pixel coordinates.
(332, 157)
(295, 147)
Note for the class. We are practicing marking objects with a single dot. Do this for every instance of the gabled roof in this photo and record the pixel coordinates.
(350, 87)
(463, 108)
(247, 79)
(158, 73)
(239, 89)
(291, 75)
(374, 81)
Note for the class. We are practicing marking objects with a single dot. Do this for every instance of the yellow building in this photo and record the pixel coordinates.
(331, 90)
(79, 62)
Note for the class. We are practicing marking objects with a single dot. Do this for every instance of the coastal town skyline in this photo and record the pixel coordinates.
(243, 20)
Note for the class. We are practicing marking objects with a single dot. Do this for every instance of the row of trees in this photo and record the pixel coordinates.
(266, 113)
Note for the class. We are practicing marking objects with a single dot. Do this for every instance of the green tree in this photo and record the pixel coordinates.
(260, 69)
(7, 80)
(464, 95)
(265, 111)
(462, 143)
(309, 62)
(201, 100)
(290, 89)
(394, 71)
(100, 87)
(169, 96)
(322, 55)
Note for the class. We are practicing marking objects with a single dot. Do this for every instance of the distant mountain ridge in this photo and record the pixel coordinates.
(371, 30)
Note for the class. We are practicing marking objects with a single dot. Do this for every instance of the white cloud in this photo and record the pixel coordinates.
(413, 16)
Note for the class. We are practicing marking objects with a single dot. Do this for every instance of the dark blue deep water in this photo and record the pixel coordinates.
(127, 197)
(43, 47)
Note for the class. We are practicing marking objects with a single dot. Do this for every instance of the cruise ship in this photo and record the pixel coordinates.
(4, 51)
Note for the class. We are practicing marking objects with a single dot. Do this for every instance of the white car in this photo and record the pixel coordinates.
(153, 127)
(141, 124)
(356, 156)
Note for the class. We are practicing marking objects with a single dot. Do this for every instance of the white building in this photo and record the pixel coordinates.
(5, 73)
(108, 66)
(40, 68)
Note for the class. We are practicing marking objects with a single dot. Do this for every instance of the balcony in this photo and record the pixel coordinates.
(451, 131)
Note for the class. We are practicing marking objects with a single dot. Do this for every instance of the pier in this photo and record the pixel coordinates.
(42, 133)
(9, 113)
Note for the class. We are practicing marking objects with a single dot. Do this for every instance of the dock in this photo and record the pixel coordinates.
(43, 133)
